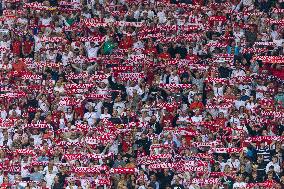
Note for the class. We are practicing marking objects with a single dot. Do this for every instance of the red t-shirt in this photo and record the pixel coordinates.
(164, 56)
(150, 50)
(27, 46)
(167, 119)
(126, 43)
(196, 105)
(16, 48)
(20, 66)
(192, 58)
(278, 73)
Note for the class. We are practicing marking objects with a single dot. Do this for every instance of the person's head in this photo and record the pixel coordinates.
(282, 179)
(240, 177)
(227, 168)
(43, 183)
(56, 179)
(153, 178)
(242, 167)
(118, 98)
(90, 109)
(51, 163)
(153, 119)
(274, 159)
(166, 171)
(170, 137)
(143, 136)
(177, 180)
(270, 176)
(105, 110)
(262, 144)
(165, 49)
(114, 113)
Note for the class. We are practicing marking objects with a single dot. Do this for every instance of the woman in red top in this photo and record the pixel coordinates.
(5, 183)
(150, 48)
(17, 46)
(28, 47)
(19, 65)
(126, 42)
(164, 55)
(277, 70)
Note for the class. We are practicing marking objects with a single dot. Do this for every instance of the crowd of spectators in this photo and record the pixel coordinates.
(179, 94)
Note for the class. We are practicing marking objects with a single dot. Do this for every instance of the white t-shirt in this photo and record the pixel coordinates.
(51, 56)
(237, 73)
(275, 165)
(247, 2)
(45, 21)
(37, 139)
(239, 103)
(235, 120)
(24, 171)
(54, 170)
(49, 178)
(43, 106)
(137, 14)
(59, 89)
(190, 96)
(18, 112)
(66, 57)
(9, 142)
(234, 164)
(102, 91)
(218, 91)
(90, 116)
(174, 79)
(119, 106)
(69, 117)
(38, 43)
(238, 35)
(239, 185)
(73, 187)
(259, 94)
(129, 90)
(245, 87)
(162, 17)
(183, 119)
(103, 116)
(250, 105)
(92, 51)
(196, 118)
(274, 35)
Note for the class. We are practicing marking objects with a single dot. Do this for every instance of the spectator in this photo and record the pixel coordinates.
(141, 94)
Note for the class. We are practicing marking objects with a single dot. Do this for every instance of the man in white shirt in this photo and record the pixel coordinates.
(37, 137)
(24, 170)
(119, 105)
(133, 86)
(238, 34)
(174, 78)
(274, 163)
(90, 116)
(161, 16)
(247, 3)
(237, 72)
(240, 184)
(3, 113)
(233, 162)
(92, 49)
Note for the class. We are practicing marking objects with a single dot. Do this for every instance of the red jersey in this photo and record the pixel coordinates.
(27, 46)
(164, 56)
(16, 48)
